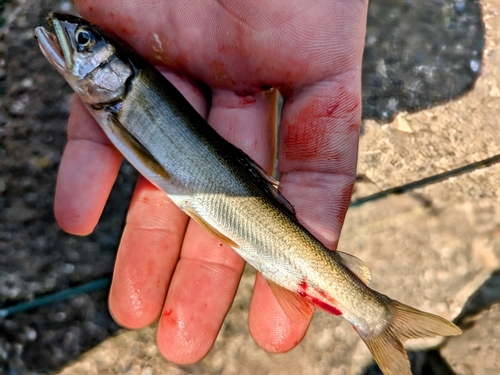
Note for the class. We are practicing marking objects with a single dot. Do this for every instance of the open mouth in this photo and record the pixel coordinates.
(56, 47)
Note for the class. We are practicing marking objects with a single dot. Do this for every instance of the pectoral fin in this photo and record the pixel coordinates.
(296, 307)
(193, 214)
(139, 151)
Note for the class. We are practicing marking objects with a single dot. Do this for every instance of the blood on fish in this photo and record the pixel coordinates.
(303, 285)
(321, 293)
(302, 291)
(326, 307)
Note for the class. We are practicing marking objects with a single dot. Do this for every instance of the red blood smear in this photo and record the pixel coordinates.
(303, 285)
(326, 307)
(302, 288)
(301, 142)
(247, 99)
(311, 131)
(332, 108)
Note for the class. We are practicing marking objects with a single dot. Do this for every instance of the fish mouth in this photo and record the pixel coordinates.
(56, 46)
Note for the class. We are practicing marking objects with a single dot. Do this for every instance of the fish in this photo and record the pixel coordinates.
(223, 189)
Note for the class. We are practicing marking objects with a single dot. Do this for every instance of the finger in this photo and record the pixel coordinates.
(269, 326)
(88, 169)
(318, 152)
(208, 272)
(148, 252)
(150, 243)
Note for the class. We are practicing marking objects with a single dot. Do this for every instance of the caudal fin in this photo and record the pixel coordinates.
(407, 323)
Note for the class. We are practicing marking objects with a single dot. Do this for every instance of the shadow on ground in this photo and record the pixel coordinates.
(418, 56)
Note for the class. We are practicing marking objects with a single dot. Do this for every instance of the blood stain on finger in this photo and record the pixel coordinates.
(353, 107)
(332, 108)
(354, 127)
(301, 138)
(247, 99)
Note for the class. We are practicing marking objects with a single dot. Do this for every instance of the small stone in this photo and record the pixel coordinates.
(60, 316)
(27, 83)
(20, 213)
(41, 162)
(31, 334)
(68, 268)
(401, 124)
(65, 6)
(17, 107)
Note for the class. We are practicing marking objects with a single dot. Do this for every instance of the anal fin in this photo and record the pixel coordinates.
(193, 214)
(296, 307)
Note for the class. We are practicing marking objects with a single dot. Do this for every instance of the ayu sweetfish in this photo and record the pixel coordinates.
(220, 187)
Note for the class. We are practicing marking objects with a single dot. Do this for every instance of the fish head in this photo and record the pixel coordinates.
(87, 57)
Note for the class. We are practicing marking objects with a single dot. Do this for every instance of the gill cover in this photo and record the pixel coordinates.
(80, 51)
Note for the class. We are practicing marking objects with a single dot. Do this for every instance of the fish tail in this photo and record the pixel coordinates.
(407, 322)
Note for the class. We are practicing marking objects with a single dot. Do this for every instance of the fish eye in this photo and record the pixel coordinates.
(84, 38)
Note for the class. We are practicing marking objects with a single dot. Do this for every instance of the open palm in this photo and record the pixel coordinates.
(167, 265)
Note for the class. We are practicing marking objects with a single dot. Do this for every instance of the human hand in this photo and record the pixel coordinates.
(167, 265)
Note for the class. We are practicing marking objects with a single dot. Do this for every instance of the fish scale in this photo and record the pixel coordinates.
(220, 187)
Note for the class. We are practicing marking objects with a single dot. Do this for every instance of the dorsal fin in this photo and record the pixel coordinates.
(264, 174)
(270, 183)
(355, 265)
(296, 307)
